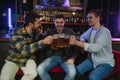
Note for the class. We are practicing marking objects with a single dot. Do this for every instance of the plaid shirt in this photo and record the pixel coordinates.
(23, 46)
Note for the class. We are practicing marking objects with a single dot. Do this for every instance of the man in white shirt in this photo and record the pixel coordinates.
(99, 47)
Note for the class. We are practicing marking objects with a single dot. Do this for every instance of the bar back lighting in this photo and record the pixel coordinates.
(9, 18)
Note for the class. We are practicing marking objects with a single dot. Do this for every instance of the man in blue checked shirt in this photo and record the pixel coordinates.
(24, 42)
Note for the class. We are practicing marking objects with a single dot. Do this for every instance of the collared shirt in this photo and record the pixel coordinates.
(99, 45)
(22, 46)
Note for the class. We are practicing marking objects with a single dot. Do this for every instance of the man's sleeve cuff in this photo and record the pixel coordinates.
(40, 42)
(86, 46)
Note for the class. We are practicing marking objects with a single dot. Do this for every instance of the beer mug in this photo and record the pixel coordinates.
(61, 41)
(67, 39)
(54, 44)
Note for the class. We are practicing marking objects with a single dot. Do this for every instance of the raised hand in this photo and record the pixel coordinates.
(73, 40)
(48, 40)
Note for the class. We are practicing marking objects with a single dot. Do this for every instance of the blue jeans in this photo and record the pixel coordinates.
(100, 72)
(53, 61)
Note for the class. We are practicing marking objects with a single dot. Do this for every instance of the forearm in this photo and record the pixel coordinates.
(89, 47)
(96, 47)
(31, 48)
(80, 44)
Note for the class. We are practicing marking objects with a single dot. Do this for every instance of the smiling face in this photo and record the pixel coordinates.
(92, 19)
(59, 24)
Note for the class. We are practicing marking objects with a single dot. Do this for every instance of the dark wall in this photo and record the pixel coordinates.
(113, 17)
(4, 47)
(110, 10)
(4, 5)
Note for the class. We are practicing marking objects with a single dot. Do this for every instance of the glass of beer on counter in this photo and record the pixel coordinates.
(61, 41)
(54, 44)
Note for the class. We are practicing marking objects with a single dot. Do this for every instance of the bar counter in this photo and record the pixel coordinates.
(4, 38)
(116, 41)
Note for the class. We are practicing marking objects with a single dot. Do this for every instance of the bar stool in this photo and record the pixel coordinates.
(19, 74)
(56, 69)
(116, 69)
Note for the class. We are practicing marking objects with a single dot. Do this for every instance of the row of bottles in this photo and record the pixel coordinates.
(71, 17)
(44, 28)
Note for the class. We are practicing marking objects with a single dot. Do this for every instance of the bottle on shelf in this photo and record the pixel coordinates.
(70, 16)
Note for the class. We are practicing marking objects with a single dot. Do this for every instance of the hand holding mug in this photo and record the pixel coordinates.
(48, 40)
(73, 40)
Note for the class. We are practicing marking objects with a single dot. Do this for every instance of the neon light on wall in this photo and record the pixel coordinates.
(119, 19)
(9, 18)
(119, 22)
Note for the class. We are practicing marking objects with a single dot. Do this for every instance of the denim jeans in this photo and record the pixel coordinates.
(50, 63)
(100, 72)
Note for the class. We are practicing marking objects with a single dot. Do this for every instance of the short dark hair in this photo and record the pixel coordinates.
(59, 16)
(95, 11)
(30, 17)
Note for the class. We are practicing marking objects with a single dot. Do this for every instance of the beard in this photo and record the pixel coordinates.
(34, 29)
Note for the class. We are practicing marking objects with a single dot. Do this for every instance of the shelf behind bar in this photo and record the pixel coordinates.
(75, 24)
(60, 8)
